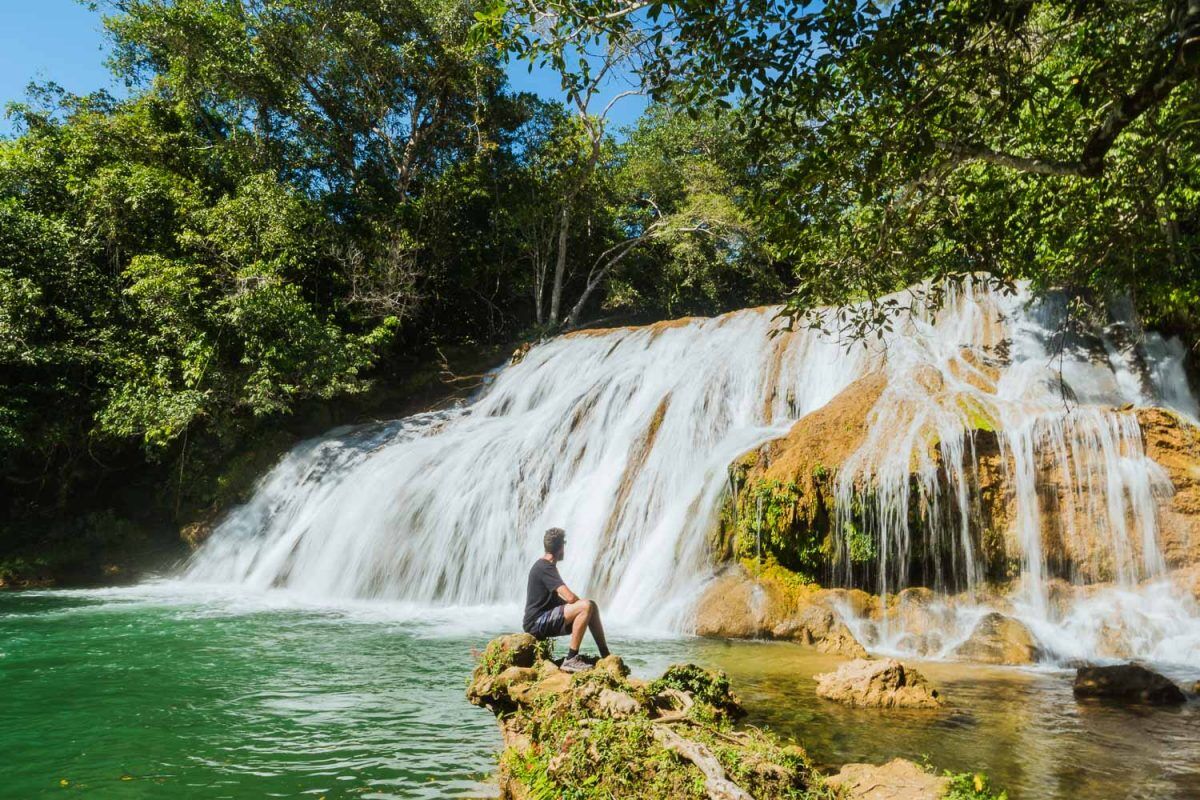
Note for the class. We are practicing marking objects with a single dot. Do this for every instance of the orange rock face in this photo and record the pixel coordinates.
(1175, 444)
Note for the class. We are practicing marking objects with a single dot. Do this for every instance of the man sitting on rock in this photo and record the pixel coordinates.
(551, 609)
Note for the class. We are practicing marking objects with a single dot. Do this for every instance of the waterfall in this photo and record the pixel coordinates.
(624, 437)
(621, 437)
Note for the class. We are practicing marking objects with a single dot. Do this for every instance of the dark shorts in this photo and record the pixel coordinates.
(549, 623)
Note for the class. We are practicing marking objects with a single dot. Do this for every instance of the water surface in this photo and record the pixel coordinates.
(164, 691)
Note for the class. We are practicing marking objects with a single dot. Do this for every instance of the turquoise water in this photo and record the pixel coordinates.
(168, 692)
(132, 697)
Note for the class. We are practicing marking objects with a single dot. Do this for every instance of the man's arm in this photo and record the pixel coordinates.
(566, 594)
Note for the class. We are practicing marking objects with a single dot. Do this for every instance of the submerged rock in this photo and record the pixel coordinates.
(999, 639)
(883, 683)
(896, 780)
(622, 737)
(1130, 683)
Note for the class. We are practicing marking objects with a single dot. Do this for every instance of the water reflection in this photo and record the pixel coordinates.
(1024, 728)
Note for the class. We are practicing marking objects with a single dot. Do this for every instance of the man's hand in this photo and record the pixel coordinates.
(566, 594)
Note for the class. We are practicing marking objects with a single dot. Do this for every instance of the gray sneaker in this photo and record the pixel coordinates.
(575, 663)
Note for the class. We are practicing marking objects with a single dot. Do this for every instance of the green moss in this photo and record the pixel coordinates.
(780, 521)
(577, 752)
(499, 655)
(979, 417)
(710, 687)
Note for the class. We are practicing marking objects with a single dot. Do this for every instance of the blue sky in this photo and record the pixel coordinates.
(63, 41)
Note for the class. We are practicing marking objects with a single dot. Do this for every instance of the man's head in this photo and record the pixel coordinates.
(554, 541)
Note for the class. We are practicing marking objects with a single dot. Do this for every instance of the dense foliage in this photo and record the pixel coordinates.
(305, 202)
(1049, 140)
(302, 202)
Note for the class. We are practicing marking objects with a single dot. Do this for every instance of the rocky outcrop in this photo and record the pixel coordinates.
(777, 605)
(999, 639)
(883, 683)
(1174, 443)
(622, 737)
(896, 780)
(1129, 683)
(783, 501)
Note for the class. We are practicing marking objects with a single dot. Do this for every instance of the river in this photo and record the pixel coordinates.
(181, 690)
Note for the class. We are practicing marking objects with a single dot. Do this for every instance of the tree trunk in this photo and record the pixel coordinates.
(560, 264)
(539, 290)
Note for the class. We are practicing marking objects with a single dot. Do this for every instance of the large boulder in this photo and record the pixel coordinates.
(883, 683)
(733, 607)
(739, 606)
(896, 780)
(1000, 639)
(1129, 683)
(624, 737)
(820, 627)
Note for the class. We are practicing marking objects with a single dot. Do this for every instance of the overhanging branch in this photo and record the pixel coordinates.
(1180, 67)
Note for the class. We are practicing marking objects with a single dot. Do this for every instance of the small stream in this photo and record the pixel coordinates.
(177, 691)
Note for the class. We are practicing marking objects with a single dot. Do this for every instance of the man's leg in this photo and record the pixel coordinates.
(584, 615)
(597, 629)
(577, 615)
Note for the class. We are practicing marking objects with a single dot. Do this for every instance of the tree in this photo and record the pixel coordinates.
(917, 128)
(587, 64)
(678, 217)
(149, 291)
(358, 97)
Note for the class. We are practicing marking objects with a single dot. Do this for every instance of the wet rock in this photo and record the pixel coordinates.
(883, 683)
(819, 627)
(736, 606)
(1174, 443)
(923, 615)
(896, 780)
(1187, 580)
(853, 601)
(196, 533)
(998, 639)
(731, 608)
(1130, 683)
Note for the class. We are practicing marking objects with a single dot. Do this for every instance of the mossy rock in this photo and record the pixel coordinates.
(602, 734)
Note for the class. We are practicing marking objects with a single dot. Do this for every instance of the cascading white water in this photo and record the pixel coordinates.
(621, 437)
(624, 437)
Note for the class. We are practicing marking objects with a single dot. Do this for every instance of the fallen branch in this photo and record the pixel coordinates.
(716, 782)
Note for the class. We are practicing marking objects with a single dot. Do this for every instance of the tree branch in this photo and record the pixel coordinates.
(1153, 89)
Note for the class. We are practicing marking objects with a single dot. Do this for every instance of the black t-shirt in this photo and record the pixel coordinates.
(540, 596)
